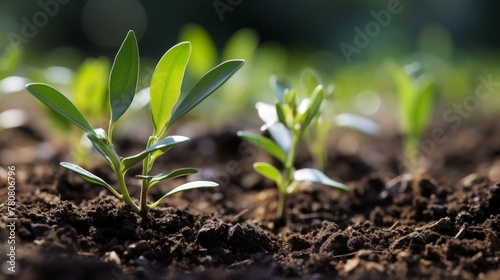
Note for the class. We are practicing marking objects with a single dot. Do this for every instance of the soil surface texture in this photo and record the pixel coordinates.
(442, 223)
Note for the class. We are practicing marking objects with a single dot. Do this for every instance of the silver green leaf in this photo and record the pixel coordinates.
(123, 77)
(185, 187)
(162, 145)
(87, 176)
(55, 100)
(316, 176)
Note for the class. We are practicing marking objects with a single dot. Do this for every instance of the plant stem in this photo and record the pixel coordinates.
(281, 204)
(125, 195)
(410, 154)
(146, 163)
(288, 175)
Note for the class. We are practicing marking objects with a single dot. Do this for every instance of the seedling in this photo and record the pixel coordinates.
(415, 91)
(317, 133)
(287, 123)
(165, 109)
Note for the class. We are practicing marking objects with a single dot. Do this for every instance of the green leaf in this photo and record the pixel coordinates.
(59, 103)
(204, 53)
(123, 77)
(162, 145)
(185, 187)
(100, 142)
(166, 84)
(87, 176)
(281, 113)
(174, 174)
(282, 136)
(310, 80)
(406, 95)
(316, 176)
(242, 43)
(279, 87)
(268, 171)
(90, 88)
(267, 114)
(313, 109)
(423, 108)
(358, 123)
(212, 80)
(264, 143)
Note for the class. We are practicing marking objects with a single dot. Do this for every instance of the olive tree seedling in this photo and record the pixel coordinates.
(415, 92)
(286, 122)
(165, 107)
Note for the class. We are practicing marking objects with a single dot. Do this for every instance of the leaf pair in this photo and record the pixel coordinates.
(165, 110)
(167, 81)
(302, 175)
(286, 123)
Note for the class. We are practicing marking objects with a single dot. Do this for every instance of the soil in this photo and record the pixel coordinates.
(443, 223)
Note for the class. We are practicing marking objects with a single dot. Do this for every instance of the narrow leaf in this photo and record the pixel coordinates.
(162, 145)
(316, 176)
(312, 111)
(212, 80)
(242, 43)
(281, 113)
(279, 87)
(123, 77)
(264, 143)
(87, 176)
(166, 84)
(267, 113)
(174, 174)
(90, 88)
(59, 103)
(310, 80)
(100, 142)
(204, 53)
(268, 171)
(185, 187)
(282, 136)
(358, 123)
(423, 108)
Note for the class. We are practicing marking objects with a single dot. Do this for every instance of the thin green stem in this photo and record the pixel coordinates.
(410, 154)
(288, 175)
(281, 204)
(146, 167)
(125, 194)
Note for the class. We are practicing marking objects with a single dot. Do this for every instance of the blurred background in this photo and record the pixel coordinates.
(97, 27)
(347, 43)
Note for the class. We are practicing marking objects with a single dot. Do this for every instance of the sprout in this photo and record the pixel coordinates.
(165, 107)
(415, 91)
(287, 122)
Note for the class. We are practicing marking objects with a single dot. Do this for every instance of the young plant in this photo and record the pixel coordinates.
(415, 91)
(326, 119)
(287, 123)
(165, 109)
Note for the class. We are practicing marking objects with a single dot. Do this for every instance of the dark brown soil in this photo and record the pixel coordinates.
(439, 224)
